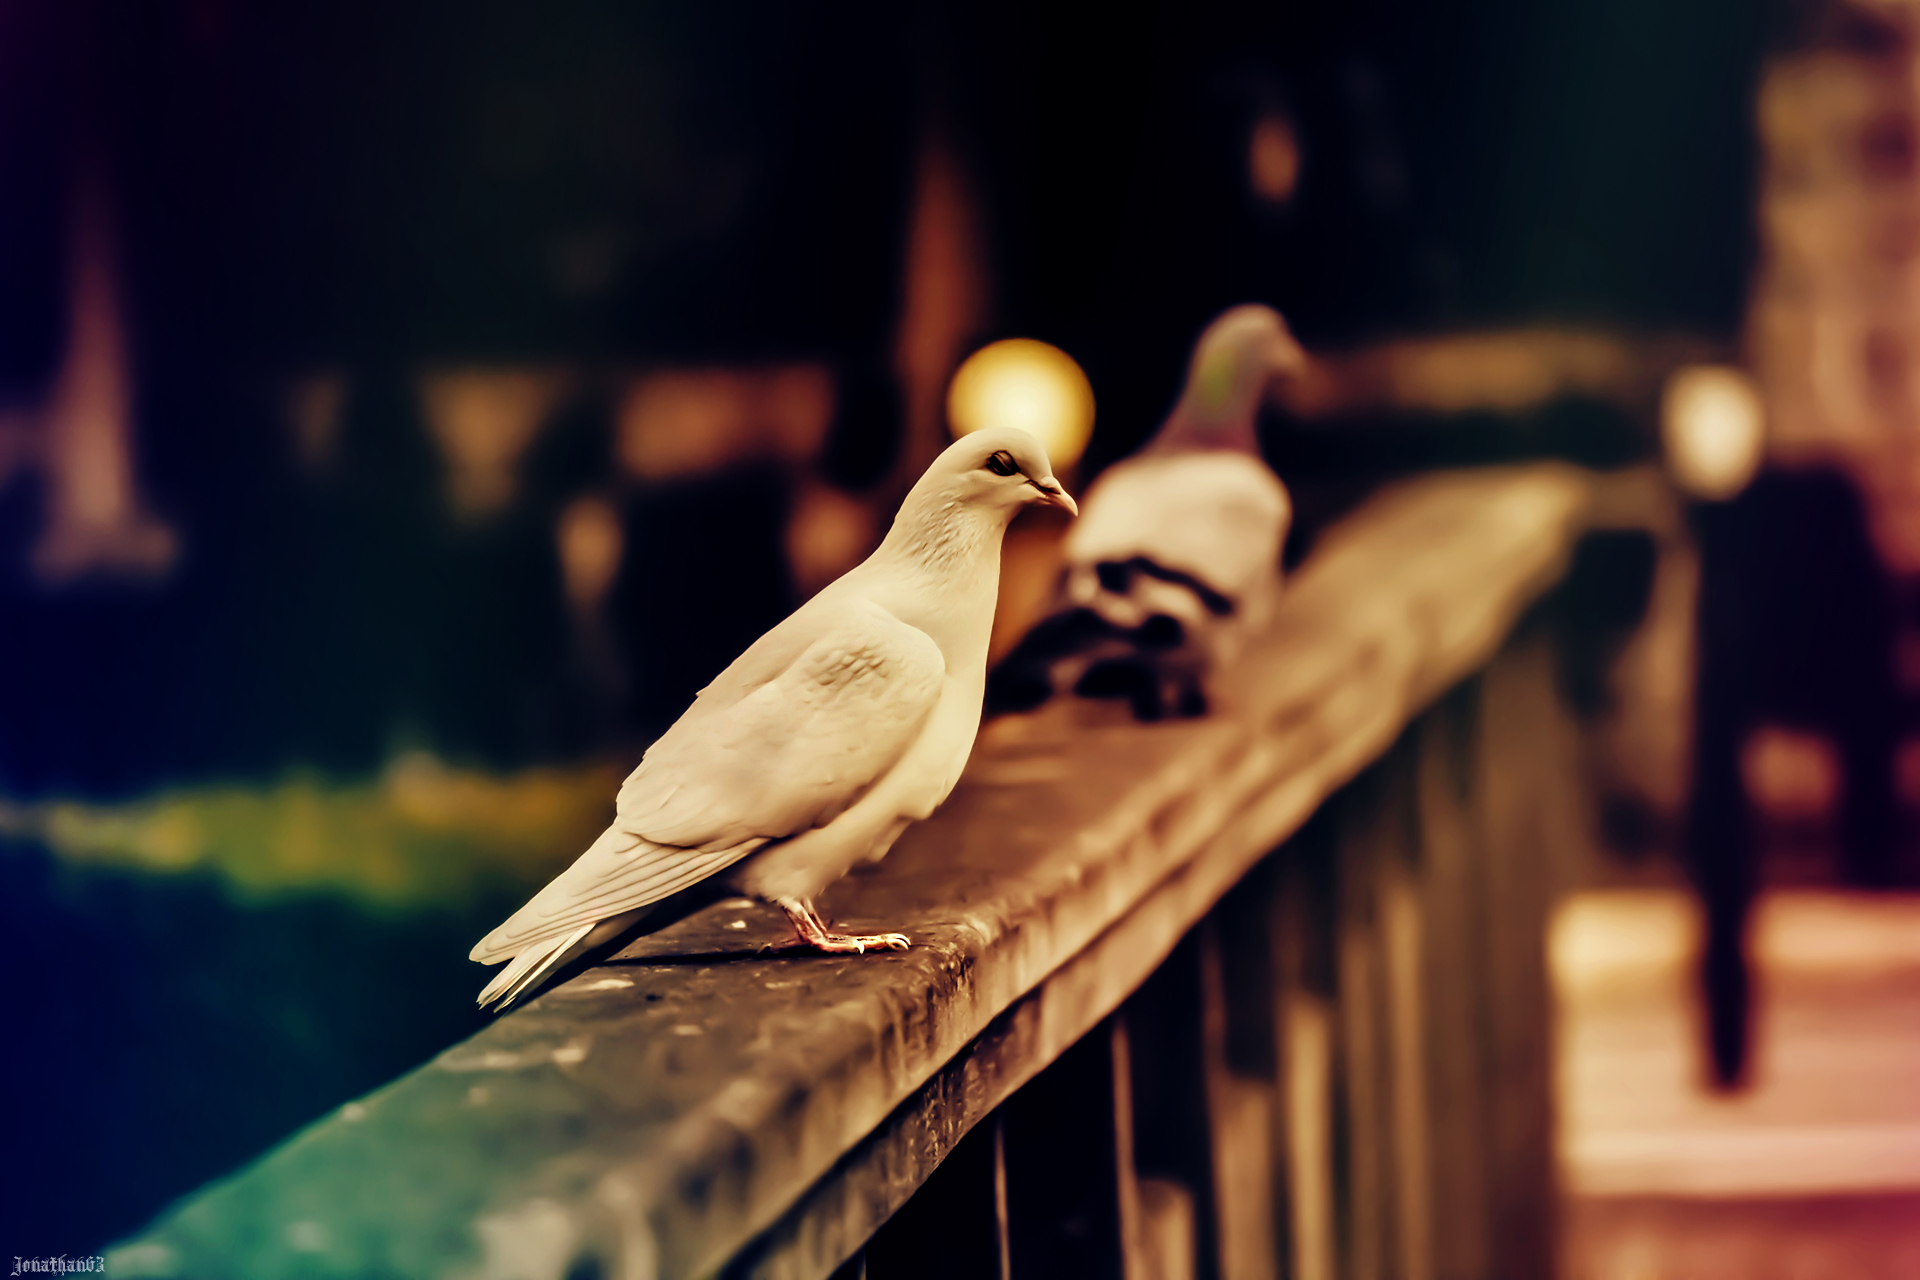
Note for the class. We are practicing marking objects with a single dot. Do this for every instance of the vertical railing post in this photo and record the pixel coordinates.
(954, 1226)
(1530, 809)
(1452, 980)
(1365, 1123)
(1241, 1098)
(1060, 1153)
(1171, 1134)
(1304, 1053)
(1401, 934)
(1384, 1045)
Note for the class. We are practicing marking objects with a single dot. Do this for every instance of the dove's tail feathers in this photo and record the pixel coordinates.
(527, 968)
(619, 873)
(524, 929)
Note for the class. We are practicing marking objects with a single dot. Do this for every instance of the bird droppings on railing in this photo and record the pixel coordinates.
(607, 984)
(571, 1053)
(534, 1240)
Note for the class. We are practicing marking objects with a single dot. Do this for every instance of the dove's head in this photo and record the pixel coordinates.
(1000, 469)
(962, 504)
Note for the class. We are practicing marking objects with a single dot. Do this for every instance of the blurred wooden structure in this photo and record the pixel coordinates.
(1262, 995)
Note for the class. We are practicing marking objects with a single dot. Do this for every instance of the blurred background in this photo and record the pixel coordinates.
(405, 408)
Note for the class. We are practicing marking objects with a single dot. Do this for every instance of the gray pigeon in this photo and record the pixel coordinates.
(821, 743)
(1177, 559)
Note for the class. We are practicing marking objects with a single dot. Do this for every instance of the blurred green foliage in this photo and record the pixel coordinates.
(422, 834)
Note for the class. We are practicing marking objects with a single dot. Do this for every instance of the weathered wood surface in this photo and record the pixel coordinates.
(1444, 859)
(696, 1105)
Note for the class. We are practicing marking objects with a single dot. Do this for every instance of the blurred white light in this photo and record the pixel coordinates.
(1027, 384)
(1714, 427)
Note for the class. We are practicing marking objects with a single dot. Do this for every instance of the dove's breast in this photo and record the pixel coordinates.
(804, 865)
(951, 604)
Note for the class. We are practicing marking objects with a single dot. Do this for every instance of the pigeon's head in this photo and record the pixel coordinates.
(1002, 468)
(1243, 357)
(1238, 357)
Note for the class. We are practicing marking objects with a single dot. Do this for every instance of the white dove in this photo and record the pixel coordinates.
(1177, 558)
(821, 743)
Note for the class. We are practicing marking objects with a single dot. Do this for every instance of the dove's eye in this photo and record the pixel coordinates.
(1002, 463)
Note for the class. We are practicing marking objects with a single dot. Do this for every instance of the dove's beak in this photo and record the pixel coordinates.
(1054, 496)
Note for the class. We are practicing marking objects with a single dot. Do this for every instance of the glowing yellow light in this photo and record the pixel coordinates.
(1713, 425)
(1026, 384)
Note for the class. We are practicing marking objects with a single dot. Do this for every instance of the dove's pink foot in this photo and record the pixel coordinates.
(813, 931)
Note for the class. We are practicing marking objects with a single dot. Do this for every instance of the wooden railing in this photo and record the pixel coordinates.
(1126, 1041)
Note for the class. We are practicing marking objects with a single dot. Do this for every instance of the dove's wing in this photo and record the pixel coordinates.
(795, 751)
(737, 771)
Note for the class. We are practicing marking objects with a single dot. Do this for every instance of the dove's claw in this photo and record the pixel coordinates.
(859, 943)
(814, 933)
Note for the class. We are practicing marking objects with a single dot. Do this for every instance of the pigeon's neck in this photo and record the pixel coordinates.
(1217, 406)
(939, 570)
(944, 535)
(1191, 429)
